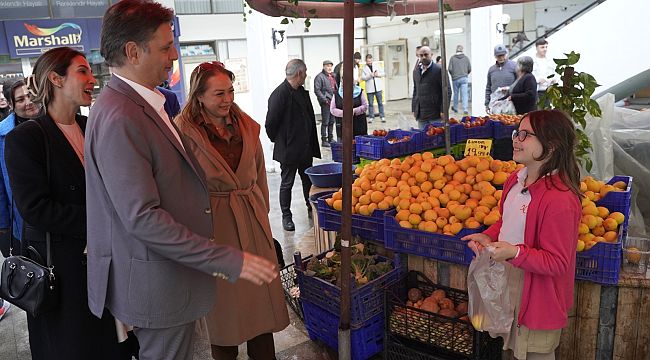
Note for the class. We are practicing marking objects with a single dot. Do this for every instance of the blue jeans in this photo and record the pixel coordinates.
(461, 85)
(371, 105)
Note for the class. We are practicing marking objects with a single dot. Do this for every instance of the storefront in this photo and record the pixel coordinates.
(28, 29)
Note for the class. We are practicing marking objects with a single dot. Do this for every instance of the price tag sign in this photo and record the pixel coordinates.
(478, 147)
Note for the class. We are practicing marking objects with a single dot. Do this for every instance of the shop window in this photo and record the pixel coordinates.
(208, 6)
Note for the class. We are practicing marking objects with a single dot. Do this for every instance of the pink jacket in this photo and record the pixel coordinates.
(548, 255)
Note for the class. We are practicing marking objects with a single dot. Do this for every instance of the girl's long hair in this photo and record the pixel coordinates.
(557, 134)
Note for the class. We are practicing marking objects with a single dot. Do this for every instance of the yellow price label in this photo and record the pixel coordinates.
(478, 147)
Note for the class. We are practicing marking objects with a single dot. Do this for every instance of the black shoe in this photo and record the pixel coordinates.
(288, 224)
(454, 109)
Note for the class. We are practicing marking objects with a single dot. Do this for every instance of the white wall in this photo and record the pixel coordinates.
(210, 27)
(614, 49)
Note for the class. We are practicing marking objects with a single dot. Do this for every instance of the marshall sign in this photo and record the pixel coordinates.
(27, 38)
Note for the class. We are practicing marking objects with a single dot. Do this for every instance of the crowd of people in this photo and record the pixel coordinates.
(158, 215)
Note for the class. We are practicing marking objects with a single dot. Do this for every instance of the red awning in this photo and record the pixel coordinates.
(329, 9)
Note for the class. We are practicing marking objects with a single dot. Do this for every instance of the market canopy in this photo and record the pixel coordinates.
(365, 8)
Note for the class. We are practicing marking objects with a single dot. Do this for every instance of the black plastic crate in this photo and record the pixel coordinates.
(450, 337)
(289, 281)
(396, 348)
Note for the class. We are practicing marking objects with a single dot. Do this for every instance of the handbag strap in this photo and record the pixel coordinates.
(48, 171)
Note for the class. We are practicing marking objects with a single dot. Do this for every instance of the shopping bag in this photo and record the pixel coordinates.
(499, 105)
(489, 298)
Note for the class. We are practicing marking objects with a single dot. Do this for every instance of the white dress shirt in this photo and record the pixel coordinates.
(156, 100)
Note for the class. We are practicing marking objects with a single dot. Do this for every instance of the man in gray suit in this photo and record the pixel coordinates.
(151, 261)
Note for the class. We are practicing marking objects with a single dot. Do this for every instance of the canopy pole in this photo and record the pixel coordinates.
(346, 223)
(445, 78)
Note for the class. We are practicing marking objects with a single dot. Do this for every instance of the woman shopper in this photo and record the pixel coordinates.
(360, 104)
(523, 93)
(536, 236)
(54, 201)
(225, 141)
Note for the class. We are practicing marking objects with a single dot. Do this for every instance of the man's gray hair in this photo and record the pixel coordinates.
(294, 66)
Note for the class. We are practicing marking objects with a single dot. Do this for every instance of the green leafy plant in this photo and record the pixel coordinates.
(290, 13)
(573, 96)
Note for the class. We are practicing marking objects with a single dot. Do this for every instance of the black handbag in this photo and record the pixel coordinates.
(25, 282)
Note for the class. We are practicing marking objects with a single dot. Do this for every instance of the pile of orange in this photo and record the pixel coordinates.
(597, 223)
(438, 195)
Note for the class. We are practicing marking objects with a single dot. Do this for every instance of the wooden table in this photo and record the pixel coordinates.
(606, 322)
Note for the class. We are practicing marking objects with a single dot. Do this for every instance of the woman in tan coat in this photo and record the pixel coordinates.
(225, 141)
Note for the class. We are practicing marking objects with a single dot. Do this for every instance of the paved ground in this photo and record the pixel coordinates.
(292, 343)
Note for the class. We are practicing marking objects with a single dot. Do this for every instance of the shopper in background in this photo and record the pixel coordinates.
(50, 194)
(500, 75)
(324, 88)
(291, 126)
(427, 90)
(373, 75)
(459, 68)
(417, 57)
(536, 235)
(523, 92)
(226, 144)
(543, 69)
(5, 109)
(23, 110)
(360, 105)
(356, 73)
(439, 60)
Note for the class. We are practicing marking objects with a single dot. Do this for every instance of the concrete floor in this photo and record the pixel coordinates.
(291, 343)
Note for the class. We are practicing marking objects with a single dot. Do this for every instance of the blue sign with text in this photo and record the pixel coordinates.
(30, 38)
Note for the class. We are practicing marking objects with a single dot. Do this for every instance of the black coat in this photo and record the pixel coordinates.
(57, 206)
(291, 125)
(427, 93)
(524, 94)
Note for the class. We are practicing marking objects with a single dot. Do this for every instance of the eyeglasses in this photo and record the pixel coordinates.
(521, 135)
(209, 65)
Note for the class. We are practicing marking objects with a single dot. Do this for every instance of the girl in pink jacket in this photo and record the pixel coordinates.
(537, 234)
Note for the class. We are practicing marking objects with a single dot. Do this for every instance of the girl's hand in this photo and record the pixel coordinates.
(503, 250)
(477, 242)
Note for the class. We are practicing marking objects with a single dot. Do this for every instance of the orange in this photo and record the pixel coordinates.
(415, 208)
(583, 228)
(589, 220)
(425, 204)
(414, 219)
(372, 207)
(338, 205)
(441, 222)
(610, 236)
(483, 165)
(619, 217)
(426, 167)
(380, 186)
(440, 183)
(472, 224)
(404, 204)
(405, 194)
(430, 226)
(456, 228)
(451, 168)
(383, 205)
(610, 224)
(598, 231)
(391, 181)
(444, 199)
(454, 195)
(491, 219)
(472, 203)
(391, 191)
(442, 212)
(500, 178)
(377, 196)
(403, 215)
(430, 215)
(496, 165)
(444, 160)
(471, 171)
(364, 199)
(405, 224)
(427, 155)
(426, 186)
(434, 201)
(411, 181)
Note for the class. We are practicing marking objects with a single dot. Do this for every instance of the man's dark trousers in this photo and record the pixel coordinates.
(288, 175)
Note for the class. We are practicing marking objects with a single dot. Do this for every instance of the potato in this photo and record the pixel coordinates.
(462, 308)
(438, 294)
(415, 294)
(448, 312)
(446, 303)
(430, 306)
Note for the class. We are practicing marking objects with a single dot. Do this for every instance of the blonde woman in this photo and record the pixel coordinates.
(225, 141)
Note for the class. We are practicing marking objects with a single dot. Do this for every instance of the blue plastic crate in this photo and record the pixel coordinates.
(427, 244)
(600, 264)
(478, 132)
(502, 131)
(378, 147)
(366, 339)
(454, 131)
(426, 142)
(337, 152)
(368, 227)
(366, 301)
(619, 200)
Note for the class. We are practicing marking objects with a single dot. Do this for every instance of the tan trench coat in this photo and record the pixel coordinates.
(240, 207)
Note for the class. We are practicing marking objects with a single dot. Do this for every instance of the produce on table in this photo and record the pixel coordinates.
(597, 223)
(505, 119)
(365, 265)
(379, 132)
(439, 195)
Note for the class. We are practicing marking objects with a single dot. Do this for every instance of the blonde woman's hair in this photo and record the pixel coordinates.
(41, 89)
(198, 80)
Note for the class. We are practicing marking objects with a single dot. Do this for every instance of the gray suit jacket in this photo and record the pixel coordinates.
(151, 261)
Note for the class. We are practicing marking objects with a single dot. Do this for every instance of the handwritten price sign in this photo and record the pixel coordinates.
(478, 147)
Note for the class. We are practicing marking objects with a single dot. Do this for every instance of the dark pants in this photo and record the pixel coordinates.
(327, 124)
(288, 175)
(259, 348)
(547, 103)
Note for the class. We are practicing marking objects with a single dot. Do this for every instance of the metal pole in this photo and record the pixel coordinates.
(346, 221)
(445, 78)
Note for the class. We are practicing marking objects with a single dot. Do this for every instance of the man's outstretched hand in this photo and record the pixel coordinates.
(257, 269)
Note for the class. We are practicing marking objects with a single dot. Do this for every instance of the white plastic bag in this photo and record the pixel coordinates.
(497, 106)
(489, 306)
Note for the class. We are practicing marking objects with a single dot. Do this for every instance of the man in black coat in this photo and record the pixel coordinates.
(291, 126)
(427, 90)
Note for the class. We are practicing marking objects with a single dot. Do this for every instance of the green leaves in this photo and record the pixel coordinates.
(573, 96)
(284, 21)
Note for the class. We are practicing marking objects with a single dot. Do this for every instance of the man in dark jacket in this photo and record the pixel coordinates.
(459, 69)
(324, 87)
(291, 126)
(427, 90)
